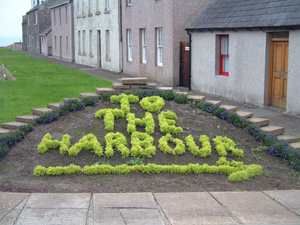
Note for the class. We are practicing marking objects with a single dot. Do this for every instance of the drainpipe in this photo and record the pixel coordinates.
(121, 37)
(190, 58)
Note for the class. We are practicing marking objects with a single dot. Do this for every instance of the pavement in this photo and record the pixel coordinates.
(266, 207)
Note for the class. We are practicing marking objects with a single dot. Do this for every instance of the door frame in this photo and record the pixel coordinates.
(184, 49)
(271, 58)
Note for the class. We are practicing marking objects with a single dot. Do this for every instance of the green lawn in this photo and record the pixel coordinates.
(39, 82)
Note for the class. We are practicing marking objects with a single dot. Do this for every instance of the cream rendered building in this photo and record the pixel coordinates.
(97, 34)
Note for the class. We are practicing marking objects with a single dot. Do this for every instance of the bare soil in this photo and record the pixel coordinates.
(16, 170)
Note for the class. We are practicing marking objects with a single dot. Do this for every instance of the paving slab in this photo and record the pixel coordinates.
(289, 138)
(193, 208)
(124, 200)
(40, 111)
(9, 200)
(288, 198)
(59, 201)
(12, 125)
(141, 216)
(4, 131)
(52, 216)
(10, 218)
(259, 121)
(274, 130)
(134, 80)
(105, 90)
(215, 102)
(26, 119)
(107, 216)
(244, 115)
(296, 145)
(55, 105)
(165, 88)
(255, 208)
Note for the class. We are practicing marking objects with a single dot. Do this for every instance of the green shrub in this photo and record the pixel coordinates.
(109, 117)
(167, 121)
(88, 142)
(142, 145)
(164, 146)
(152, 104)
(118, 141)
(194, 149)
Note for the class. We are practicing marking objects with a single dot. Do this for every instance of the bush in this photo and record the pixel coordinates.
(164, 146)
(167, 121)
(152, 104)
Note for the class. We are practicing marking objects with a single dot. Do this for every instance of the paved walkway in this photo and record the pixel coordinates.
(268, 207)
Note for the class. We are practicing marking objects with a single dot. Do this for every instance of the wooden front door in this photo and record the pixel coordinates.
(184, 64)
(279, 71)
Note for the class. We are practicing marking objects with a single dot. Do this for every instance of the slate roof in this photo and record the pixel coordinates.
(59, 2)
(249, 14)
(46, 31)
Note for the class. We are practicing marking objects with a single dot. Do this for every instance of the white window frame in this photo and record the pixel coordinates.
(83, 42)
(143, 46)
(107, 41)
(129, 45)
(59, 11)
(66, 11)
(129, 3)
(79, 45)
(35, 18)
(159, 46)
(106, 5)
(54, 16)
(67, 45)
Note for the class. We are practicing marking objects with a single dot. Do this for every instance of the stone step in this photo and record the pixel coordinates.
(105, 90)
(274, 130)
(165, 88)
(40, 111)
(261, 122)
(12, 125)
(3, 131)
(181, 92)
(54, 105)
(296, 145)
(245, 115)
(289, 138)
(119, 86)
(150, 85)
(231, 108)
(26, 119)
(215, 102)
(196, 98)
(68, 99)
(134, 80)
(84, 95)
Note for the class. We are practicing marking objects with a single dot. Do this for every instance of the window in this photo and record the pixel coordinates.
(54, 17)
(67, 44)
(90, 14)
(91, 36)
(107, 40)
(79, 37)
(28, 20)
(60, 16)
(55, 43)
(66, 11)
(106, 6)
(224, 55)
(83, 42)
(129, 45)
(97, 8)
(83, 3)
(159, 46)
(78, 8)
(143, 46)
(35, 18)
(128, 2)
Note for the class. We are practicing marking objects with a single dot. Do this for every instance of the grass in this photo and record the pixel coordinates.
(38, 83)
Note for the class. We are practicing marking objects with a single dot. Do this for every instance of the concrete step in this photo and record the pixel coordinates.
(196, 98)
(12, 125)
(289, 138)
(215, 102)
(105, 90)
(3, 131)
(231, 108)
(40, 111)
(274, 130)
(54, 105)
(165, 88)
(26, 119)
(245, 115)
(261, 122)
(84, 95)
(134, 80)
(181, 92)
(150, 85)
(296, 145)
(119, 86)
(68, 99)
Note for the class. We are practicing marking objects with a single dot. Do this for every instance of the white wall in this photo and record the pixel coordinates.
(247, 66)
(293, 86)
(97, 21)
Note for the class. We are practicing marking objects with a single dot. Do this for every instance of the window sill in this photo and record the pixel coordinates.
(91, 56)
(106, 11)
(97, 13)
(90, 14)
(84, 54)
(108, 59)
(222, 75)
(78, 17)
(79, 53)
(83, 16)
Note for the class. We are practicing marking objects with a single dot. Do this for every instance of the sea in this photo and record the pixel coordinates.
(5, 40)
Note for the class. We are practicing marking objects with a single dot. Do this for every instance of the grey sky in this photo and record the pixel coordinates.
(11, 16)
